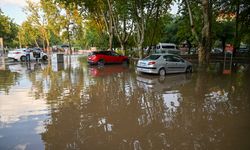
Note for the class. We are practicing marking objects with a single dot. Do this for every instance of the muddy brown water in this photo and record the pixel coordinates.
(75, 106)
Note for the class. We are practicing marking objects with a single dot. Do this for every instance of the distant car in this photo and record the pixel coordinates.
(106, 57)
(216, 50)
(244, 48)
(167, 48)
(20, 54)
(163, 63)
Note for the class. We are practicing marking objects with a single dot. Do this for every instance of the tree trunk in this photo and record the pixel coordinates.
(111, 41)
(44, 45)
(122, 48)
(140, 40)
(139, 47)
(193, 30)
(108, 22)
(205, 47)
(110, 25)
(20, 41)
(48, 45)
(36, 43)
(236, 35)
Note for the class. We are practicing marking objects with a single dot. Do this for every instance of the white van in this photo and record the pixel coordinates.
(167, 48)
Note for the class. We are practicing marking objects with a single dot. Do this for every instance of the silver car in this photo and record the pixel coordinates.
(163, 63)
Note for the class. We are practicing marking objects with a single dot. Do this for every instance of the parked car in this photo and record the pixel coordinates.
(163, 63)
(167, 48)
(20, 54)
(244, 48)
(106, 57)
(216, 50)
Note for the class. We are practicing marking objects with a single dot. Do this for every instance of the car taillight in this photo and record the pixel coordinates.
(151, 63)
(92, 57)
(17, 53)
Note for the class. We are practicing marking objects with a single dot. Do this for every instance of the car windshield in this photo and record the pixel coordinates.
(152, 57)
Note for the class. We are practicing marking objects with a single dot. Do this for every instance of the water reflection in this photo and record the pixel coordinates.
(83, 107)
(161, 83)
(98, 71)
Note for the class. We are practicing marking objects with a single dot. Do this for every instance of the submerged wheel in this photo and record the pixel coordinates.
(189, 69)
(125, 62)
(101, 62)
(23, 58)
(162, 72)
(45, 57)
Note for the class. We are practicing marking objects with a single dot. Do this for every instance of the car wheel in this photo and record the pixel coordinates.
(23, 58)
(125, 62)
(45, 57)
(162, 72)
(189, 69)
(101, 62)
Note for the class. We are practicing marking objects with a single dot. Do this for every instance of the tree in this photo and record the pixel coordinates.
(122, 21)
(142, 12)
(204, 41)
(28, 35)
(37, 18)
(8, 30)
(52, 15)
(238, 12)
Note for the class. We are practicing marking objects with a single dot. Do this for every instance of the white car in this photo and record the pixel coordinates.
(163, 63)
(171, 48)
(20, 54)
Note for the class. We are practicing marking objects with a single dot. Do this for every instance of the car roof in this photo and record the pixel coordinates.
(20, 49)
(170, 44)
(101, 52)
(163, 54)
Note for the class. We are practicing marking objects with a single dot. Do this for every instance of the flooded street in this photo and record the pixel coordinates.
(76, 106)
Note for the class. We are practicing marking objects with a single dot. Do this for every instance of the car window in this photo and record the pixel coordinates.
(152, 57)
(168, 46)
(114, 54)
(108, 53)
(172, 58)
(168, 58)
(176, 59)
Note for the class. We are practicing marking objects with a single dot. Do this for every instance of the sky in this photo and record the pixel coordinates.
(14, 9)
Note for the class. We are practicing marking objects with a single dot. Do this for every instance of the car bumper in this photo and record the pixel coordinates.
(10, 56)
(92, 62)
(147, 69)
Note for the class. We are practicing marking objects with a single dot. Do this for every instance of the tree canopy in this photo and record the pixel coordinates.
(131, 24)
(8, 30)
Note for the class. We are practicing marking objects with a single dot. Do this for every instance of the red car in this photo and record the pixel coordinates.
(106, 57)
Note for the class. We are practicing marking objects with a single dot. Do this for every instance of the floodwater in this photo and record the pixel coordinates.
(75, 106)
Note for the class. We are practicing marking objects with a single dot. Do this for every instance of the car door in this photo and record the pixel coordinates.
(116, 58)
(170, 64)
(179, 63)
(31, 54)
(107, 56)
